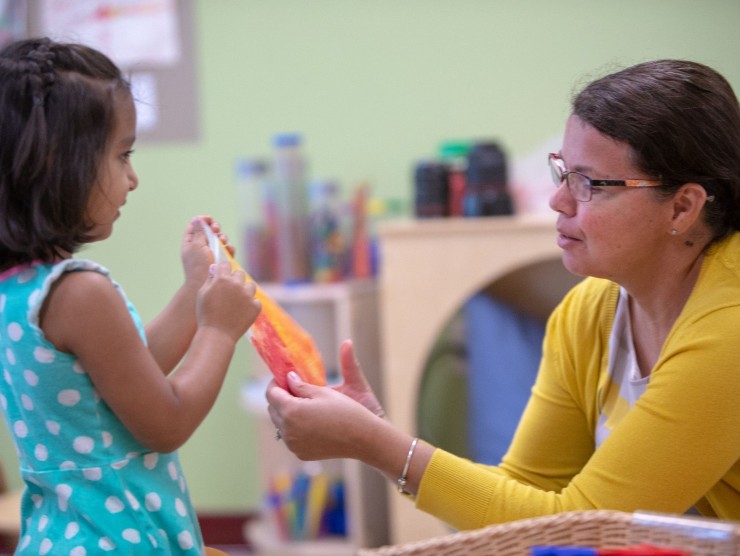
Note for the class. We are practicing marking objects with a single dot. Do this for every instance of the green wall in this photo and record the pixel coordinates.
(373, 86)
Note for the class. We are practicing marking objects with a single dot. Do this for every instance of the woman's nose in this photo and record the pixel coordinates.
(561, 200)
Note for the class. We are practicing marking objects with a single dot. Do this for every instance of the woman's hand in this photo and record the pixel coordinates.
(355, 384)
(345, 421)
(319, 422)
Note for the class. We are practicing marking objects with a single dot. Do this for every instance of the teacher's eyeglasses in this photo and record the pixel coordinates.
(580, 185)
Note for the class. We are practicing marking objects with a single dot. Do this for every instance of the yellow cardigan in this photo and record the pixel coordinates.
(678, 446)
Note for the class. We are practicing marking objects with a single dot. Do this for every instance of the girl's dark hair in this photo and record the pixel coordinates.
(56, 114)
(682, 121)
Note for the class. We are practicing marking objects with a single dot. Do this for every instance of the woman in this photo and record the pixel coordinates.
(634, 406)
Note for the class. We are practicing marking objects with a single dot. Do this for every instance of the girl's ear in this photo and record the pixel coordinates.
(688, 203)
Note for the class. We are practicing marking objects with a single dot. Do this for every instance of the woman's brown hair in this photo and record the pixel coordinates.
(682, 121)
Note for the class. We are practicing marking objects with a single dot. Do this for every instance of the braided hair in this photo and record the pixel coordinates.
(56, 114)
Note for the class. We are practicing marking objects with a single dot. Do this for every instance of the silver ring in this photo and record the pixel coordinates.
(278, 436)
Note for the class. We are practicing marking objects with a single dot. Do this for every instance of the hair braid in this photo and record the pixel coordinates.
(40, 63)
(37, 69)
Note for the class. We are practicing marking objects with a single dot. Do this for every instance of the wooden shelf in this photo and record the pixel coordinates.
(429, 268)
(331, 313)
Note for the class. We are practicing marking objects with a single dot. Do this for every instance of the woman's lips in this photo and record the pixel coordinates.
(564, 240)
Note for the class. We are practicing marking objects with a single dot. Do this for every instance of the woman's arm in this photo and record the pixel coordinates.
(677, 444)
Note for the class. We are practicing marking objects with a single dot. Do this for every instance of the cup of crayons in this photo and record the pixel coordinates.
(306, 504)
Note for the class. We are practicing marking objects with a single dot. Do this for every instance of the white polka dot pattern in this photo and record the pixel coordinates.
(132, 536)
(41, 453)
(72, 529)
(69, 397)
(113, 505)
(185, 540)
(84, 472)
(46, 546)
(20, 429)
(43, 355)
(30, 377)
(64, 492)
(133, 502)
(83, 444)
(92, 473)
(153, 502)
(15, 332)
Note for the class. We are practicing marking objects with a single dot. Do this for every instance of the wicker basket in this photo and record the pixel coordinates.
(594, 528)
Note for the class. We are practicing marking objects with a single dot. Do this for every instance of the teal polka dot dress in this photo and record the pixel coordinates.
(90, 487)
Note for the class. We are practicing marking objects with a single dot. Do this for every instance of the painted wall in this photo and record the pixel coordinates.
(373, 86)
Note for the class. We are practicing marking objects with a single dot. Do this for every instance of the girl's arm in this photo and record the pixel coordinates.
(86, 316)
(169, 334)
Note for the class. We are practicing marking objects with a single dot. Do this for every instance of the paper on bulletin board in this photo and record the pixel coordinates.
(146, 97)
(13, 15)
(134, 33)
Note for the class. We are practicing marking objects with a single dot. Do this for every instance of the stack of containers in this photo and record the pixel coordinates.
(296, 230)
(291, 209)
(256, 208)
(465, 179)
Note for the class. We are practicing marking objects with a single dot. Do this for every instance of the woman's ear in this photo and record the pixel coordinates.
(688, 203)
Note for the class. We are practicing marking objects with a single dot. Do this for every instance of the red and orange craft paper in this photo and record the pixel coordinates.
(280, 341)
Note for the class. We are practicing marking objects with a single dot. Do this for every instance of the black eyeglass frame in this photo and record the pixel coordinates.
(560, 174)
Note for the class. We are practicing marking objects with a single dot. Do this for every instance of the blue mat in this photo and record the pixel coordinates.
(504, 350)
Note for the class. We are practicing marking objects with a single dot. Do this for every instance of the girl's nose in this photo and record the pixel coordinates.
(133, 180)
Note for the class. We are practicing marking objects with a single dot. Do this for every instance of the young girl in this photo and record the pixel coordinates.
(86, 391)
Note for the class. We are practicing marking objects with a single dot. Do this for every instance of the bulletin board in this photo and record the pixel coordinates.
(152, 41)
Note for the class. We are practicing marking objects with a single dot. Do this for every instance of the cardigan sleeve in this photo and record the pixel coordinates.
(680, 441)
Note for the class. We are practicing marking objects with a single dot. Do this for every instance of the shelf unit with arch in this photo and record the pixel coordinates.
(429, 268)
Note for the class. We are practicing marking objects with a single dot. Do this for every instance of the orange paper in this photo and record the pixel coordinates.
(281, 342)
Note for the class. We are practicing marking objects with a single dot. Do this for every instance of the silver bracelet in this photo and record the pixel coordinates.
(403, 479)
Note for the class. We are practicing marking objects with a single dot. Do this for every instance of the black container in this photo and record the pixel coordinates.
(487, 182)
(431, 189)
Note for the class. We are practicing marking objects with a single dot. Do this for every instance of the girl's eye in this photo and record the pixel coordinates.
(127, 154)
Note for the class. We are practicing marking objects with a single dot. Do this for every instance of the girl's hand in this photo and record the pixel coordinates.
(355, 384)
(319, 422)
(226, 301)
(195, 253)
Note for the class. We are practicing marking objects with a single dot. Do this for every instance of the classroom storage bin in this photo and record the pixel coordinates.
(593, 528)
